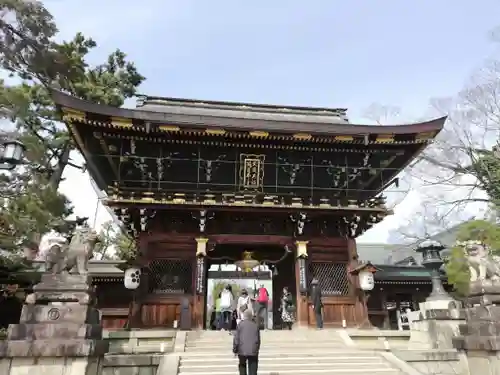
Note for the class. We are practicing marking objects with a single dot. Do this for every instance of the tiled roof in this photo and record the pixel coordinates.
(379, 253)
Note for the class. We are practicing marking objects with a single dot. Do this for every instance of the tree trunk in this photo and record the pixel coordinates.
(56, 177)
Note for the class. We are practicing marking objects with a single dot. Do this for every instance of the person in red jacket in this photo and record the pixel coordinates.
(263, 306)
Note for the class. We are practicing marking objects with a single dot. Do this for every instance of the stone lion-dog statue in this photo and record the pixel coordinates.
(481, 265)
(62, 257)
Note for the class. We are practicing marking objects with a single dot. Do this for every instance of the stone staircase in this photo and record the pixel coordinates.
(298, 352)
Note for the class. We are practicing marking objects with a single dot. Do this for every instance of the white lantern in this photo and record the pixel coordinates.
(132, 278)
(366, 280)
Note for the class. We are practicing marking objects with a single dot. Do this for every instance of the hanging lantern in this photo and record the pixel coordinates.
(132, 278)
(248, 263)
(365, 274)
(366, 280)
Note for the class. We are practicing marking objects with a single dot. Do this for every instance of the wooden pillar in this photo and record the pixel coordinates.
(138, 299)
(135, 309)
(383, 300)
(301, 284)
(362, 319)
(199, 300)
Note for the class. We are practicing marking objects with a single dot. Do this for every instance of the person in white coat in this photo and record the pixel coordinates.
(244, 303)
(226, 308)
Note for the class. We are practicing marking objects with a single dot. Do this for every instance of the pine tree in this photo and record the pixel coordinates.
(36, 63)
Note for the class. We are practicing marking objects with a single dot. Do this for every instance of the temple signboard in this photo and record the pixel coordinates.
(200, 272)
(251, 172)
(302, 275)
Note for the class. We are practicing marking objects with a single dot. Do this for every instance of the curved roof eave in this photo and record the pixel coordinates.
(66, 101)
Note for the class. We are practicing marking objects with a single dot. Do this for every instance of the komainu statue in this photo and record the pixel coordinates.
(61, 257)
(80, 250)
(482, 266)
(54, 256)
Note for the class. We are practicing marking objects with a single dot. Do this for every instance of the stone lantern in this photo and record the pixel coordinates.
(12, 154)
(431, 259)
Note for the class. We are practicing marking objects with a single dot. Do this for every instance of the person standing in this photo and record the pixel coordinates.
(262, 306)
(246, 344)
(244, 304)
(226, 308)
(218, 315)
(317, 303)
(287, 308)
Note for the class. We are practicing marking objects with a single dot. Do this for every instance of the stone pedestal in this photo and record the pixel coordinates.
(485, 292)
(437, 324)
(479, 337)
(58, 334)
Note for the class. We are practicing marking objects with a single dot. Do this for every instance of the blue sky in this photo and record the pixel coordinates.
(319, 53)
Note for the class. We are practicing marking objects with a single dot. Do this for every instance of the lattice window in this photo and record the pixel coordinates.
(113, 294)
(332, 278)
(171, 276)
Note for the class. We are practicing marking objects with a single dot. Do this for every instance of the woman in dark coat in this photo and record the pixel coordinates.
(287, 308)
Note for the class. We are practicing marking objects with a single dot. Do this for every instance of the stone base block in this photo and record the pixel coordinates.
(433, 314)
(484, 300)
(63, 296)
(53, 348)
(63, 288)
(50, 366)
(480, 328)
(477, 343)
(63, 281)
(46, 331)
(434, 305)
(67, 313)
(483, 363)
(489, 313)
(481, 332)
(434, 333)
(481, 287)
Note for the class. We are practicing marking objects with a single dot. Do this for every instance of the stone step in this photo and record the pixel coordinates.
(270, 342)
(308, 371)
(227, 337)
(221, 345)
(271, 336)
(276, 366)
(309, 344)
(292, 333)
(287, 353)
(268, 337)
(267, 341)
(223, 336)
(294, 361)
(297, 360)
(282, 352)
(266, 349)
